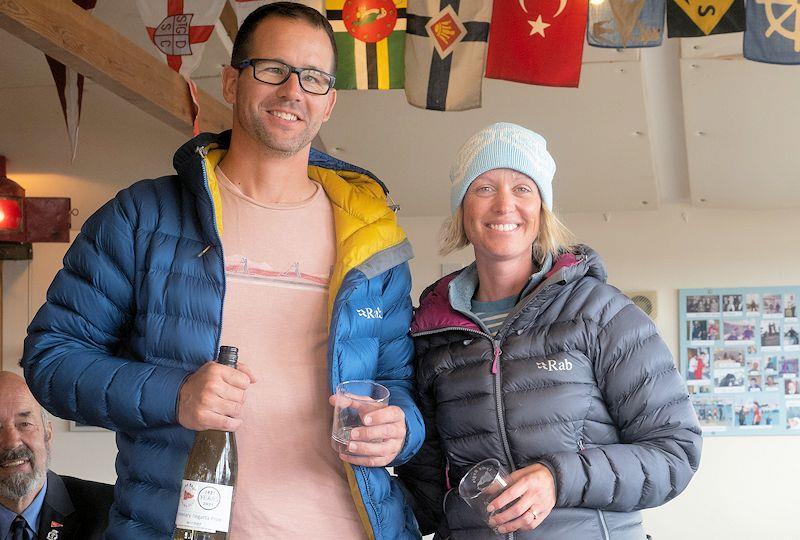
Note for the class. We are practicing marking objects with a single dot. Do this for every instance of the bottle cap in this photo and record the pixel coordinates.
(228, 356)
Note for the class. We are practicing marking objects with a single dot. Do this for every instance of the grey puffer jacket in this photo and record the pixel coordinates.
(577, 379)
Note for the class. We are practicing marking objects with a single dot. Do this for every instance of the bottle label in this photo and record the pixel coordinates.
(204, 507)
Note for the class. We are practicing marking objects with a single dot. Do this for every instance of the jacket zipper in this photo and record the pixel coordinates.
(496, 351)
(500, 410)
(498, 400)
(201, 151)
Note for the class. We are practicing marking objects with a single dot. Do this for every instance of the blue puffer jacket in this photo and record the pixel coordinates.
(138, 306)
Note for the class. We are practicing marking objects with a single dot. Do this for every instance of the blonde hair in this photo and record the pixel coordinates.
(554, 237)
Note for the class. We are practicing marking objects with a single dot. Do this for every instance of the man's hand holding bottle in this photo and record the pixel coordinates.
(213, 397)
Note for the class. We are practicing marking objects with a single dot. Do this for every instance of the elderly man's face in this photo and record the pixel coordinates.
(24, 441)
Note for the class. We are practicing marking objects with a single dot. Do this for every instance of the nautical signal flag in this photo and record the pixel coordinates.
(537, 42)
(243, 8)
(698, 18)
(621, 24)
(179, 29)
(446, 53)
(773, 31)
(370, 36)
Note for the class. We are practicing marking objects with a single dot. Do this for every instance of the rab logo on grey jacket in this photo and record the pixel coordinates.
(555, 365)
(369, 313)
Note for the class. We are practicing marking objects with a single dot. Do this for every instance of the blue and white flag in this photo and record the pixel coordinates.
(773, 31)
(622, 24)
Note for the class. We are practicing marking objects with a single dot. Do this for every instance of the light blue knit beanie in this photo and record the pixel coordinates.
(503, 146)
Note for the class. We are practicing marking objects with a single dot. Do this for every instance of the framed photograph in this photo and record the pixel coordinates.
(771, 305)
(742, 331)
(705, 304)
(790, 305)
(732, 304)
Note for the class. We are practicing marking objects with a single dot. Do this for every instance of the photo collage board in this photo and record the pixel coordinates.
(740, 350)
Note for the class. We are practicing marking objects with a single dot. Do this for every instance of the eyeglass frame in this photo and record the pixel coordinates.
(250, 62)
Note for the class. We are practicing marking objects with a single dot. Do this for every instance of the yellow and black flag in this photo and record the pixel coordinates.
(698, 18)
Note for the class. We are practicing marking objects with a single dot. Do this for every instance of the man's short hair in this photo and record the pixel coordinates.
(287, 10)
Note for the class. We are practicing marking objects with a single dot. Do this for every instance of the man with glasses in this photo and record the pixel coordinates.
(262, 243)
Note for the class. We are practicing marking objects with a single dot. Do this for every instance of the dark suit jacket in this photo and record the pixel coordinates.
(74, 509)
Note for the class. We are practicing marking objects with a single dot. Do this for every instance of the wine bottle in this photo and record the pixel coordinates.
(206, 497)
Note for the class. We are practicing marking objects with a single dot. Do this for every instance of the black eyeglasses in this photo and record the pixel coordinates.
(276, 72)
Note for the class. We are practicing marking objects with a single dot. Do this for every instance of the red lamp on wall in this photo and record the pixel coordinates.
(24, 220)
(12, 217)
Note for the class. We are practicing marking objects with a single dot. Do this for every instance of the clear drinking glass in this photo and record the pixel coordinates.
(354, 400)
(483, 483)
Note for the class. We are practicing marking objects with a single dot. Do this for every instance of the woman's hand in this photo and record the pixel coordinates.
(533, 494)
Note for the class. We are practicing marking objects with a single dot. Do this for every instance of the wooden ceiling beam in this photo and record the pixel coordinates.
(75, 38)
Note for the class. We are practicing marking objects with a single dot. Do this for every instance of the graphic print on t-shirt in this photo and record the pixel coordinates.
(240, 268)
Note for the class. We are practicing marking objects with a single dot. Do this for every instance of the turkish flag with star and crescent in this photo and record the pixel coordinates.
(179, 29)
(537, 41)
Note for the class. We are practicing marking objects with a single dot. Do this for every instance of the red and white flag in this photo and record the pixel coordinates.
(69, 84)
(537, 42)
(179, 29)
(243, 8)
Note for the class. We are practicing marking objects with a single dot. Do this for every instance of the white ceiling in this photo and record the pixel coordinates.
(690, 121)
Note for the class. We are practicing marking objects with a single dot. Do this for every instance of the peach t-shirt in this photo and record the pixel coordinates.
(278, 261)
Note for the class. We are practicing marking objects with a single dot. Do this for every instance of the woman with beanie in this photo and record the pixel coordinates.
(530, 357)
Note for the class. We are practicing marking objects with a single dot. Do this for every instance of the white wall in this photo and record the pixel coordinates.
(745, 488)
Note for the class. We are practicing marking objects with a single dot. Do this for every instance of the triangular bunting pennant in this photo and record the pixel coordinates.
(446, 43)
(243, 8)
(370, 36)
(179, 29)
(537, 42)
(697, 18)
(69, 85)
(773, 31)
(623, 24)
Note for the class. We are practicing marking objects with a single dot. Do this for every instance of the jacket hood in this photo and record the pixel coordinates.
(436, 312)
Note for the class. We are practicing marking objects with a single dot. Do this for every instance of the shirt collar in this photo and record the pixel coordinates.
(31, 514)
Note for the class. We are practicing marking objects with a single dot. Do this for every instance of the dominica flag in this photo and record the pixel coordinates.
(446, 43)
(370, 36)
(625, 23)
(697, 18)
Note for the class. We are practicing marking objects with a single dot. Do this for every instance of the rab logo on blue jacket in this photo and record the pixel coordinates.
(369, 313)
(555, 365)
